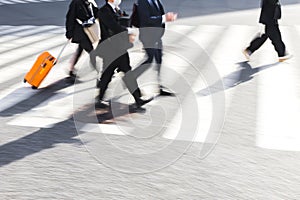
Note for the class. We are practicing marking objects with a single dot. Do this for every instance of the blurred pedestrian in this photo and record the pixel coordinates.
(115, 40)
(152, 19)
(80, 12)
(270, 14)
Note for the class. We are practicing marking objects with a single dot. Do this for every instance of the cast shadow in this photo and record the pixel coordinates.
(244, 74)
(38, 98)
(45, 138)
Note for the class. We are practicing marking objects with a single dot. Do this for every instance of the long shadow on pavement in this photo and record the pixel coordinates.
(45, 138)
(61, 133)
(244, 73)
(42, 95)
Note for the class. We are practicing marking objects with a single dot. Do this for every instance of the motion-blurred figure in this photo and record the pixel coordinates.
(152, 19)
(270, 14)
(80, 11)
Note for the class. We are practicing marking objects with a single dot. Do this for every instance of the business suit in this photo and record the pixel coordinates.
(271, 29)
(113, 49)
(152, 29)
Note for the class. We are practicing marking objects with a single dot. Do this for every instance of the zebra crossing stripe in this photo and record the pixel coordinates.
(43, 115)
(8, 59)
(278, 104)
(17, 1)
(14, 29)
(203, 36)
(13, 95)
(6, 2)
(27, 41)
(9, 2)
(102, 128)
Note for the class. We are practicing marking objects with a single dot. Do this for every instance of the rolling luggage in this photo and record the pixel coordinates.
(41, 68)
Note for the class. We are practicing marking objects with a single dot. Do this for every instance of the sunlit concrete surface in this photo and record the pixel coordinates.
(52, 148)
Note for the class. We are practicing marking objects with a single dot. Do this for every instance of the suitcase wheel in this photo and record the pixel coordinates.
(24, 80)
(34, 88)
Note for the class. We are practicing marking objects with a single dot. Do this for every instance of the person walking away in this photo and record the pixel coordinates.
(270, 14)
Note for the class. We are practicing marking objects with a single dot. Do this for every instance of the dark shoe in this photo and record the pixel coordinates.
(72, 74)
(102, 105)
(141, 102)
(165, 93)
(71, 78)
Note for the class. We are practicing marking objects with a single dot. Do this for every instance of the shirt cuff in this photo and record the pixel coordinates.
(163, 19)
(131, 31)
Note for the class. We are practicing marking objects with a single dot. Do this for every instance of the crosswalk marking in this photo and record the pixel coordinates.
(104, 128)
(44, 115)
(5, 2)
(9, 2)
(279, 108)
(222, 44)
(204, 37)
(11, 30)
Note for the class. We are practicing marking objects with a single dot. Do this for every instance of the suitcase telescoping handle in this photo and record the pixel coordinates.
(61, 51)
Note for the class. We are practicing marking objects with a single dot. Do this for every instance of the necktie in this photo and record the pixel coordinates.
(118, 11)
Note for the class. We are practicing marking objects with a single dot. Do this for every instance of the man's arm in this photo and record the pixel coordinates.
(70, 20)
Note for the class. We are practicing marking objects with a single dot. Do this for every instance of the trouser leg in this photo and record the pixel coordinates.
(274, 34)
(105, 80)
(257, 42)
(85, 45)
(93, 55)
(131, 83)
(129, 78)
(138, 71)
(76, 57)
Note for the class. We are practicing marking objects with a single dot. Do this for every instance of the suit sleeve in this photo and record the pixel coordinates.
(145, 15)
(71, 20)
(108, 20)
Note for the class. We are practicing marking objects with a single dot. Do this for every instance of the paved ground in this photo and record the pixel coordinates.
(52, 146)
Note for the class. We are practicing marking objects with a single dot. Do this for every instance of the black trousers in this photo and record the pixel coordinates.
(82, 45)
(121, 64)
(273, 33)
(154, 53)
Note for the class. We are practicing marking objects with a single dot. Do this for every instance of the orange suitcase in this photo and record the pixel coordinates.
(41, 68)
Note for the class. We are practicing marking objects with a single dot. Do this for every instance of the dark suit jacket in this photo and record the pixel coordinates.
(150, 16)
(109, 22)
(114, 36)
(267, 12)
(78, 9)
